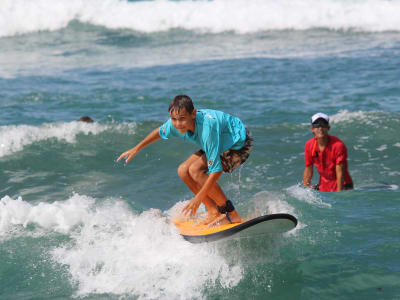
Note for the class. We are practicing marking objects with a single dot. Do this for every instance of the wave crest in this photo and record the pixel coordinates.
(15, 137)
(240, 16)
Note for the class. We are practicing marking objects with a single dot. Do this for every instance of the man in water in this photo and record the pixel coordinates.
(329, 155)
(224, 144)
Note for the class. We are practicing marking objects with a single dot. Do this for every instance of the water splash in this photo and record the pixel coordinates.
(307, 195)
(111, 249)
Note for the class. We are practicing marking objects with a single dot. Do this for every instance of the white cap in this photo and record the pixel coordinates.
(319, 116)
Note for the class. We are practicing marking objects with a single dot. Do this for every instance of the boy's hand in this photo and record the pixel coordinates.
(131, 153)
(192, 207)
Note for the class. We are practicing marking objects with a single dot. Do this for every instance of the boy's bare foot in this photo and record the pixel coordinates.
(222, 219)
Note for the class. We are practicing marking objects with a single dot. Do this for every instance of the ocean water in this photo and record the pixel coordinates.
(75, 224)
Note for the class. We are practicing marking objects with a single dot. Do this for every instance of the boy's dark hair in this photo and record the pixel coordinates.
(181, 101)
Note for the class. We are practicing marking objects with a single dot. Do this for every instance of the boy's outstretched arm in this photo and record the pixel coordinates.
(131, 153)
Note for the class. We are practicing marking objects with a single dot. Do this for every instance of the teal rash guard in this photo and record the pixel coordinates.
(215, 132)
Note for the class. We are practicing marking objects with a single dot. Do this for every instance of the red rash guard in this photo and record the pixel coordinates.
(334, 153)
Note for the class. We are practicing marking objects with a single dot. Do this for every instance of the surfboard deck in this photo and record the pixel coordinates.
(266, 224)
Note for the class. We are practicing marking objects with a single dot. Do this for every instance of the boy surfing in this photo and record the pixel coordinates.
(224, 144)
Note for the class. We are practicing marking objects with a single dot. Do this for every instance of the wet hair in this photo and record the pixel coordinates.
(179, 102)
(86, 119)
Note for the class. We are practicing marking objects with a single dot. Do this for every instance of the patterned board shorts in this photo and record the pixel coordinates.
(231, 159)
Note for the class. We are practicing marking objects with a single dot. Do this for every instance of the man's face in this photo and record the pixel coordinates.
(182, 120)
(320, 128)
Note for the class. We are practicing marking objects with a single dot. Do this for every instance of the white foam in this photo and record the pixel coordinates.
(58, 216)
(114, 250)
(13, 138)
(306, 195)
(242, 16)
(382, 148)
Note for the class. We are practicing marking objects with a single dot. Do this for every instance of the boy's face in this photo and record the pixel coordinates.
(182, 120)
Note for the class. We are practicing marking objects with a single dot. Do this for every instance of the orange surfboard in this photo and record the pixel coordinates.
(267, 224)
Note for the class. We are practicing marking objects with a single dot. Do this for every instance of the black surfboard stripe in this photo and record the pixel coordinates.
(228, 232)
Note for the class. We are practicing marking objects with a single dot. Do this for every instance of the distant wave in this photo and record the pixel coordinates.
(240, 16)
(14, 138)
(369, 118)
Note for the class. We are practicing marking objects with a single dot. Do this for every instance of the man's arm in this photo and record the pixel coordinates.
(194, 204)
(131, 153)
(307, 176)
(339, 176)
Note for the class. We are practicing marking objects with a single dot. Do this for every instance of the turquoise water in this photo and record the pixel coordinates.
(74, 223)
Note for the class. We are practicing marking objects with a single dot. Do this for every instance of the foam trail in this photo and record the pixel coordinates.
(13, 138)
(114, 250)
(240, 16)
